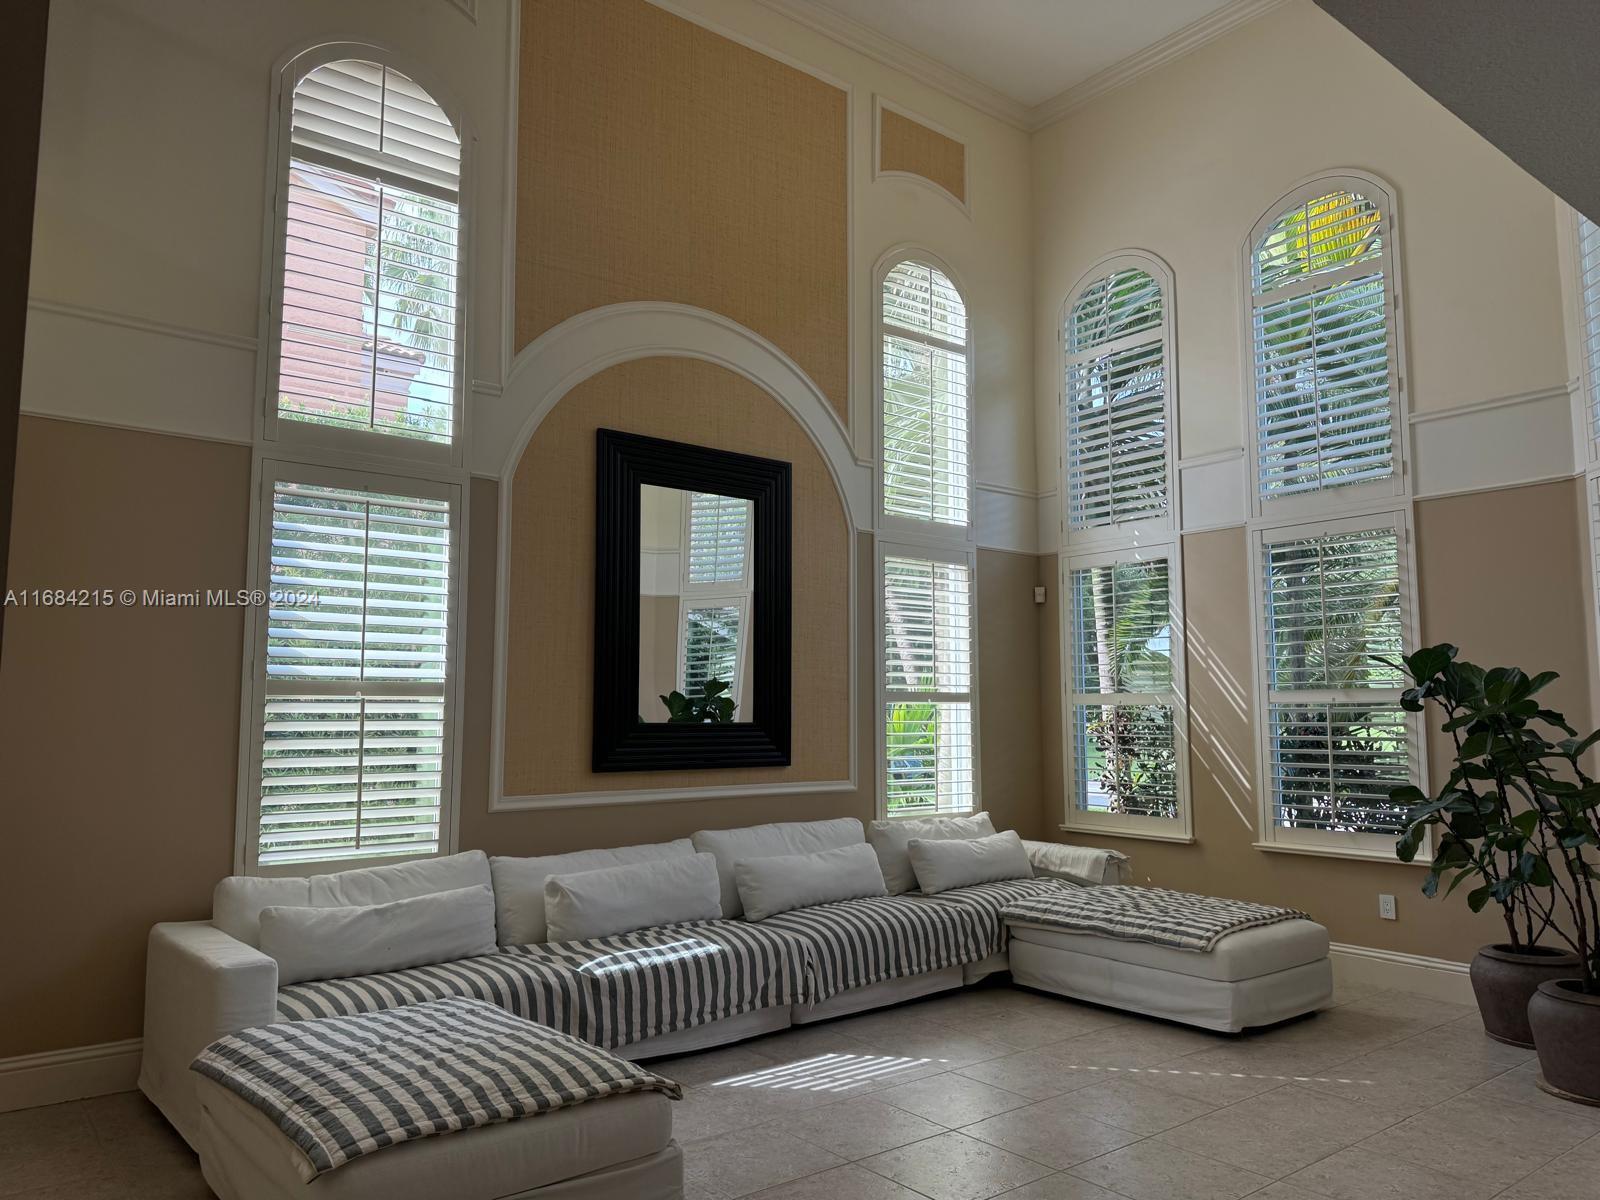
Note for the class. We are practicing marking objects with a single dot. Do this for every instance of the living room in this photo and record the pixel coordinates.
(969, 526)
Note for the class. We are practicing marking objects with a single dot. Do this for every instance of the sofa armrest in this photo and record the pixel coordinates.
(1078, 864)
(200, 983)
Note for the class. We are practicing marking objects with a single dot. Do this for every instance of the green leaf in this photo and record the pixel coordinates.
(1477, 898)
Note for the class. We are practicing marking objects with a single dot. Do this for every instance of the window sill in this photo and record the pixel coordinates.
(1378, 856)
(1182, 839)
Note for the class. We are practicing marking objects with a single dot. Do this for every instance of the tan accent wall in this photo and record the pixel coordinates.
(551, 563)
(910, 146)
(119, 726)
(660, 161)
(1499, 573)
(1008, 691)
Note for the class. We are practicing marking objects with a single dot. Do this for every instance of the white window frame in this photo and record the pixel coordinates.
(1350, 497)
(1130, 541)
(374, 477)
(1180, 829)
(1128, 532)
(1334, 843)
(911, 529)
(1586, 398)
(883, 550)
(291, 437)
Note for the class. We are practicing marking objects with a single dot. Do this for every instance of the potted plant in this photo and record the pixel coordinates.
(1486, 824)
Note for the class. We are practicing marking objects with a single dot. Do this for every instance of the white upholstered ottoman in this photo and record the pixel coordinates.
(619, 1148)
(1252, 977)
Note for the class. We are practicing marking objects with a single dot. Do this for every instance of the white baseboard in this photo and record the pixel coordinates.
(59, 1075)
(1436, 978)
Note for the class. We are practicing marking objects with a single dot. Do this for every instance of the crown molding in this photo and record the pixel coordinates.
(1175, 45)
(880, 47)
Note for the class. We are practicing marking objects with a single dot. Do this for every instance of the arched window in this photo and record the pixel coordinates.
(366, 322)
(1122, 584)
(924, 418)
(1118, 407)
(1323, 340)
(1589, 328)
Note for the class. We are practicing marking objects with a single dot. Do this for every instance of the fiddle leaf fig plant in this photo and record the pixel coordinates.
(708, 707)
(1518, 818)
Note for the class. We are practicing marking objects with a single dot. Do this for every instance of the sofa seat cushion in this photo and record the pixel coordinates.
(854, 943)
(247, 1149)
(990, 898)
(609, 991)
(1246, 954)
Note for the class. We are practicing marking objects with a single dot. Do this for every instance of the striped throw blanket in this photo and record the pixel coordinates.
(990, 899)
(342, 1087)
(853, 943)
(1180, 920)
(609, 991)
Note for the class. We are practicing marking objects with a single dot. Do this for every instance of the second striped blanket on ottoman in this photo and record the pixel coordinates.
(343, 1087)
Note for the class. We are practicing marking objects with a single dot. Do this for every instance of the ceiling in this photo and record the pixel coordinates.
(1028, 51)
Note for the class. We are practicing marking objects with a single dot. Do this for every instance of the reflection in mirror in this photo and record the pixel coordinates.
(696, 588)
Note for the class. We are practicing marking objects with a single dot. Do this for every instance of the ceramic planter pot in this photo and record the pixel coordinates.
(1566, 1027)
(1505, 980)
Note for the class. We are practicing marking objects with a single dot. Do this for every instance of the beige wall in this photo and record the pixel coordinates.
(119, 726)
(1499, 574)
(551, 630)
(910, 146)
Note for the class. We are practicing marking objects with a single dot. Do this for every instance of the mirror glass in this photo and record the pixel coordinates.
(696, 589)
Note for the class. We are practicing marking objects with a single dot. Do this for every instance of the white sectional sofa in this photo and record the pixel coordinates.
(577, 941)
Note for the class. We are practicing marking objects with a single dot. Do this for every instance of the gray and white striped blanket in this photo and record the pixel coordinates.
(608, 991)
(1181, 920)
(345, 1086)
(990, 900)
(853, 943)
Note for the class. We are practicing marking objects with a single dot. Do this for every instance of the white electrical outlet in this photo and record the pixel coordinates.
(1386, 907)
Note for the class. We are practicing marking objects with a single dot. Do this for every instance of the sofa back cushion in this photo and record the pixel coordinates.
(337, 941)
(730, 846)
(952, 863)
(237, 902)
(768, 886)
(668, 891)
(889, 839)
(519, 883)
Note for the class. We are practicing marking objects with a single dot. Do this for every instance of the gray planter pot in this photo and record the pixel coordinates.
(1504, 980)
(1566, 1027)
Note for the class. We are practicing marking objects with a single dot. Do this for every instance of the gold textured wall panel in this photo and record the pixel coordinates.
(660, 161)
(551, 564)
(910, 146)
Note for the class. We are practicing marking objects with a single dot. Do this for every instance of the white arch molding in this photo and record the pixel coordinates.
(580, 348)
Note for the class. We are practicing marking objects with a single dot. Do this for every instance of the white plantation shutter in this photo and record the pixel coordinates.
(367, 330)
(1125, 702)
(719, 539)
(1116, 401)
(1335, 600)
(924, 449)
(1589, 301)
(1324, 352)
(353, 752)
(927, 681)
(711, 646)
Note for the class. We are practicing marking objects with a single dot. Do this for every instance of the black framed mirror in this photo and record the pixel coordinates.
(692, 577)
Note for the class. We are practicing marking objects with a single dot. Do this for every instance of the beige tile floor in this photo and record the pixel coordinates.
(997, 1091)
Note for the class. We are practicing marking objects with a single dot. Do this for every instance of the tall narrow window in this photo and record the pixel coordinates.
(1117, 413)
(1126, 678)
(366, 331)
(1589, 327)
(928, 682)
(1323, 341)
(924, 418)
(354, 665)
(1125, 720)
(717, 588)
(1335, 602)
